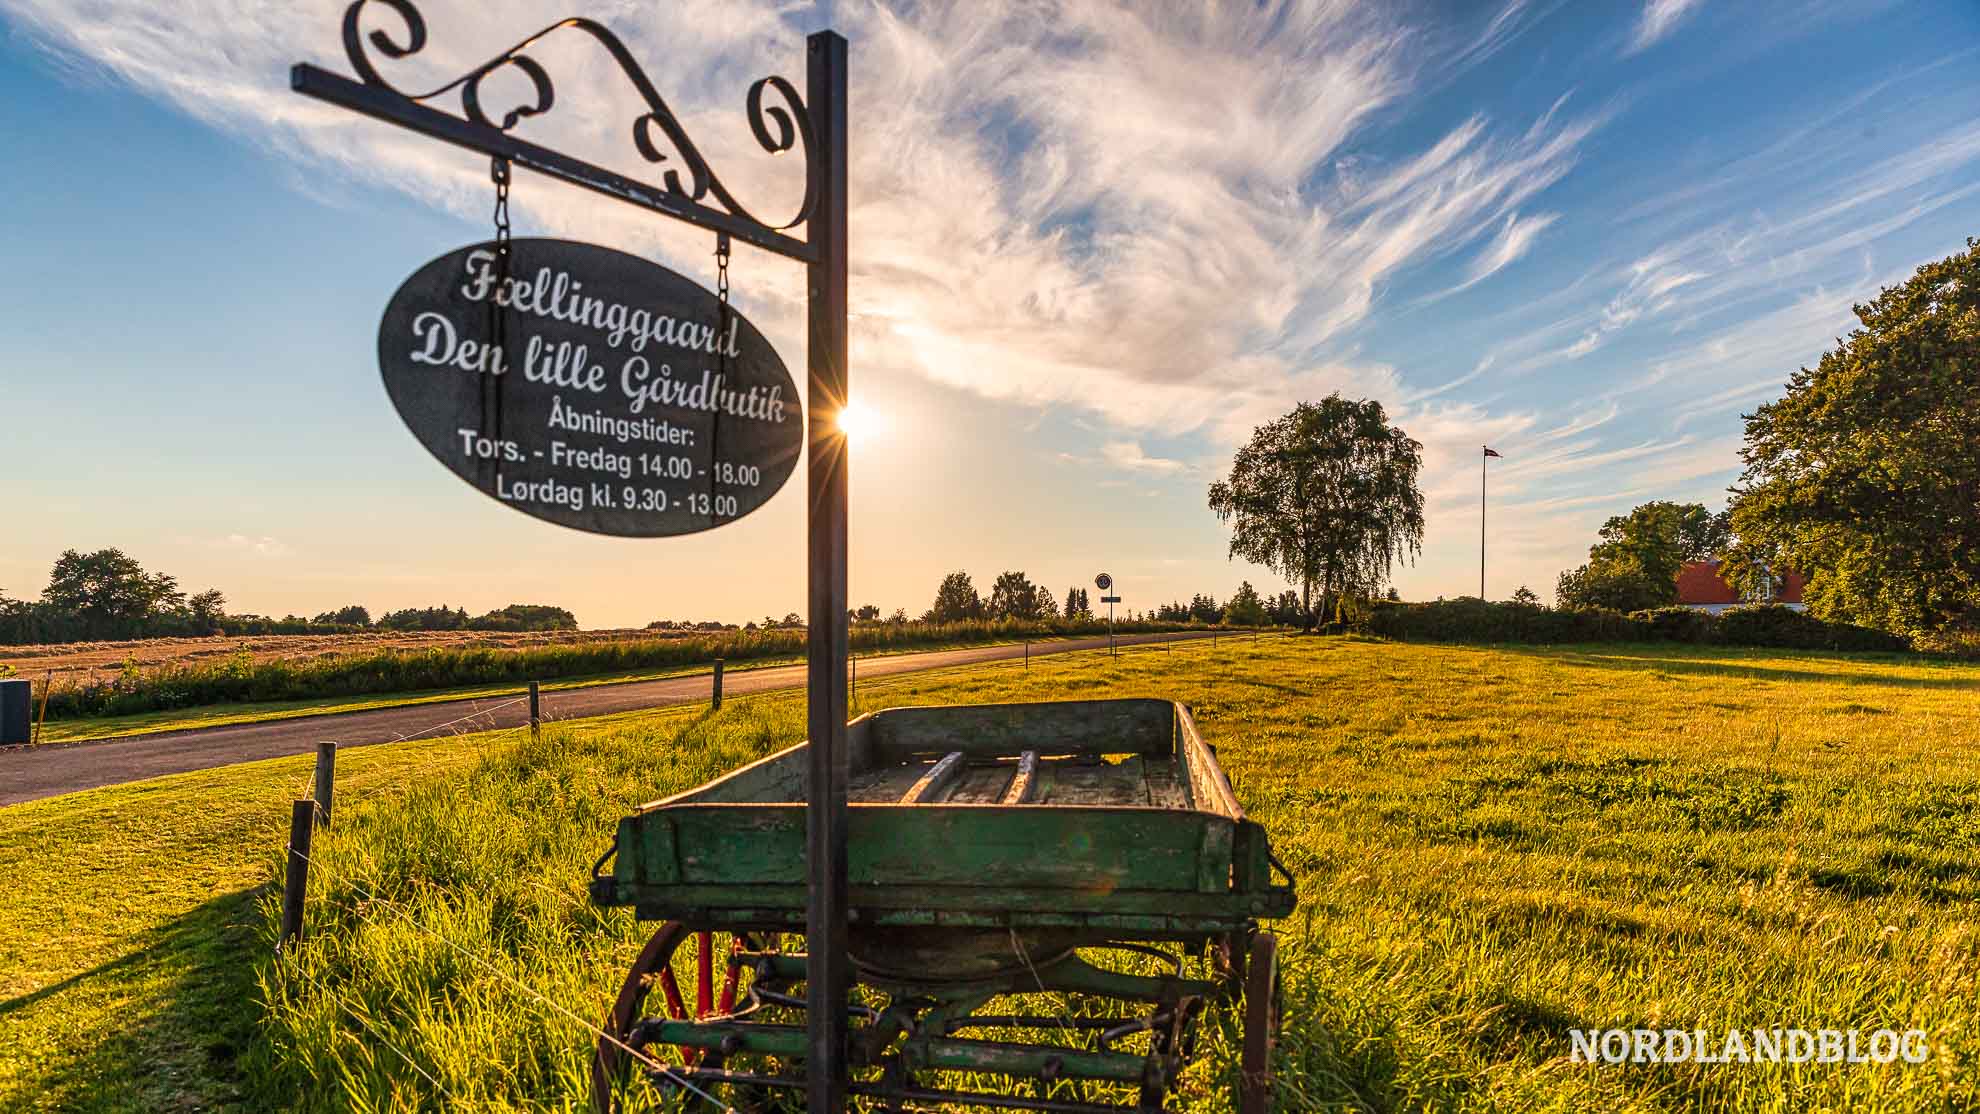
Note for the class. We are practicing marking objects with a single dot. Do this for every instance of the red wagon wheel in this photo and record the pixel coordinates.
(713, 987)
(1263, 1010)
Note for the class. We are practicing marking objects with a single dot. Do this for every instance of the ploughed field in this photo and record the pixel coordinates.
(1495, 847)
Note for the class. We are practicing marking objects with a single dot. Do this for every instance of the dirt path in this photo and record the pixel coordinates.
(50, 770)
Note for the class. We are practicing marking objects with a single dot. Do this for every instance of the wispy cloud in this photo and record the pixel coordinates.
(1055, 203)
(1129, 455)
(1515, 238)
(1658, 19)
(1484, 365)
(252, 544)
(1505, 26)
(1161, 223)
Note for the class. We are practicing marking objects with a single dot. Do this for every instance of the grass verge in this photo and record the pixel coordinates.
(1495, 845)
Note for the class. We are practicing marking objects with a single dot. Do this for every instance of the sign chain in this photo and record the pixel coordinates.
(491, 394)
(721, 354)
(722, 274)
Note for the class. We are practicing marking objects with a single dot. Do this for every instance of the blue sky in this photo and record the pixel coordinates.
(1093, 246)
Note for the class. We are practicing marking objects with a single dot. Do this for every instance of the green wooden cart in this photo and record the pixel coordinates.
(1035, 874)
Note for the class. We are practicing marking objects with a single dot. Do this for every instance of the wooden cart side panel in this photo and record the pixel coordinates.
(1006, 730)
(954, 905)
(1209, 789)
(1085, 851)
(1251, 858)
(645, 852)
(781, 777)
(1074, 851)
(1213, 860)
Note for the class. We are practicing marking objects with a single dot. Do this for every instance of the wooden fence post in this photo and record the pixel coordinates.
(301, 821)
(47, 685)
(326, 778)
(535, 712)
(716, 704)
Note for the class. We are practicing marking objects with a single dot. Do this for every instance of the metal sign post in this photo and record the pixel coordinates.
(691, 191)
(827, 962)
(1103, 582)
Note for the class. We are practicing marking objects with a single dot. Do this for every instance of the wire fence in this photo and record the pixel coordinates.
(476, 714)
(544, 1007)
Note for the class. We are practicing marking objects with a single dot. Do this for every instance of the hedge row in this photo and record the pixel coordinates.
(1475, 620)
(240, 679)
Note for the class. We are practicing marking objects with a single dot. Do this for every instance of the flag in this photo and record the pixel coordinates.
(1490, 451)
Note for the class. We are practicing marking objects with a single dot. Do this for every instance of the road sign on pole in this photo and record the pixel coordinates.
(693, 192)
(1103, 582)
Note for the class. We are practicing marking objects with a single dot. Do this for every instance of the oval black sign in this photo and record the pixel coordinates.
(619, 397)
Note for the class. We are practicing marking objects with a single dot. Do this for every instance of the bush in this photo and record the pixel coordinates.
(1774, 625)
(1475, 620)
(1952, 643)
(1677, 624)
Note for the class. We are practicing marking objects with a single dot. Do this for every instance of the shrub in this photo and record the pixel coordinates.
(1955, 643)
(1677, 624)
(1475, 620)
(1786, 628)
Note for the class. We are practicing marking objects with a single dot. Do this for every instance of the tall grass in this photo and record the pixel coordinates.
(434, 902)
(242, 679)
(1494, 846)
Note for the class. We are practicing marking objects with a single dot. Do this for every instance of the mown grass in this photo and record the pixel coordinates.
(1494, 846)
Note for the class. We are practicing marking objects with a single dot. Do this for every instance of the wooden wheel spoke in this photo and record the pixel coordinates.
(704, 974)
(732, 977)
(672, 989)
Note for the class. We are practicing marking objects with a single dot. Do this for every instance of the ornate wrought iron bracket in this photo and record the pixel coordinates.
(688, 182)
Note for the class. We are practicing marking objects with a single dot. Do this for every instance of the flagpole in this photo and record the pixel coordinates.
(1482, 451)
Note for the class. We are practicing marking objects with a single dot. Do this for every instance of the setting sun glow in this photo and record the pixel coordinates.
(860, 422)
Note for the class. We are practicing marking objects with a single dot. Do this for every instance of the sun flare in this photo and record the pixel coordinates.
(860, 422)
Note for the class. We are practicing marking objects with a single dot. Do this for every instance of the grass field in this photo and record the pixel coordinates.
(72, 662)
(1494, 846)
(220, 715)
(243, 678)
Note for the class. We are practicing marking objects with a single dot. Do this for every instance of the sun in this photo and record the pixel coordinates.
(860, 422)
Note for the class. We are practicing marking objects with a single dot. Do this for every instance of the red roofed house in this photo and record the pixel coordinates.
(1700, 587)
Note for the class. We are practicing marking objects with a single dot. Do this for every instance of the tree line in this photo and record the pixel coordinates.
(107, 595)
(1864, 477)
(1014, 596)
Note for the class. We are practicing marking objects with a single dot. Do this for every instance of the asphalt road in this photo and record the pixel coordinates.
(31, 773)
